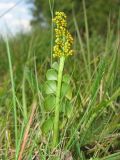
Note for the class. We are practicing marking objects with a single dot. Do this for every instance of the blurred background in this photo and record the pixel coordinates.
(22, 16)
(32, 19)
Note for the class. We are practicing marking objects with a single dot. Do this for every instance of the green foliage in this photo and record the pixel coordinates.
(51, 74)
(50, 97)
(49, 103)
(66, 91)
(66, 78)
(89, 114)
(97, 12)
(47, 125)
(55, 66)
(50, 87)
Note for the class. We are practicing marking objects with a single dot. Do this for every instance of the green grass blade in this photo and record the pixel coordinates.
(13, 92)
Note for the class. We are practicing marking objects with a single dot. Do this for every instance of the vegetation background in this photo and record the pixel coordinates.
(93, 130)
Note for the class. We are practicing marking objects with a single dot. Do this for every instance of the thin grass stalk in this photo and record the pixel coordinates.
(51, 10)
(87, 40)
(13, 94)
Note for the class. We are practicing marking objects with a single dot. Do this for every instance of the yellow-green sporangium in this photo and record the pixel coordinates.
(64, 40)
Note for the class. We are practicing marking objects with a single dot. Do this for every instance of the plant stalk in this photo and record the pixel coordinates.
(57, 106)
(13, 95)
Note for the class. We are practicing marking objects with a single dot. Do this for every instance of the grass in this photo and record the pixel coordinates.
(92, 130)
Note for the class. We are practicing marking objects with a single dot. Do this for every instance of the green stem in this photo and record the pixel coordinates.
(57, 109)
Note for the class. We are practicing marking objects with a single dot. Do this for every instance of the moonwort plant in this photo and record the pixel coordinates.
(62, 49)
(57, 87)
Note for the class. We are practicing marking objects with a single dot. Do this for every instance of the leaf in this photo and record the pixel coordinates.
(49, 103)
(66, 78)
(50, 87)
(66, 91)
(51, 74)
(55, 66)
(47, 125)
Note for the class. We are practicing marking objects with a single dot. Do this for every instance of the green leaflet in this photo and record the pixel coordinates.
(51, 74)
